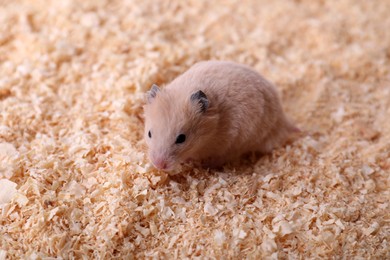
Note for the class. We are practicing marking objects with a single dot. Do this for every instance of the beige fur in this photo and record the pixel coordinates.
(243, 115)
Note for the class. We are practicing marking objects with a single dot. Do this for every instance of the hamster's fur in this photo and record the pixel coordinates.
(213, 113)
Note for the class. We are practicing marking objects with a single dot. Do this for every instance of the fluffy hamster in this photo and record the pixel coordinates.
(212, 114)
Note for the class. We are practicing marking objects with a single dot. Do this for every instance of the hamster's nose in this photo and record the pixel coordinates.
(160, 163)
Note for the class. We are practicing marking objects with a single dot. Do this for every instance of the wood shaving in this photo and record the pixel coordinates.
(75, 181)
(7, 191)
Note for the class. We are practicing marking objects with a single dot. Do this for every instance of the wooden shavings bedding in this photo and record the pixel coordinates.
(74, 178)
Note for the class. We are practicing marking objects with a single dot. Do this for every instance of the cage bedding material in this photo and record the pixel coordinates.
(74, 178)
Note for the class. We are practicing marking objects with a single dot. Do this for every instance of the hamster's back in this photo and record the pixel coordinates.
(224, 81)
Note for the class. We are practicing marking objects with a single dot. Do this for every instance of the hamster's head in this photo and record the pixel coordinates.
(177, 125)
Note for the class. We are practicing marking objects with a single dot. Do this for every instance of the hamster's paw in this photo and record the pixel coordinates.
(213, 163)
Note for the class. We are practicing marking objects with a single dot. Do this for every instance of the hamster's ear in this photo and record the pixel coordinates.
(152, 93)
(201, 100)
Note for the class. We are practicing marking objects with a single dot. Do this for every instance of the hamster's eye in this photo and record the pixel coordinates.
(180, 139)
(150, 134)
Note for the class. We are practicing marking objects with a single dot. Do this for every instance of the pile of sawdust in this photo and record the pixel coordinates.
(74, 178)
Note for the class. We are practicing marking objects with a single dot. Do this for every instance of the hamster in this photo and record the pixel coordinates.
(212, 114)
